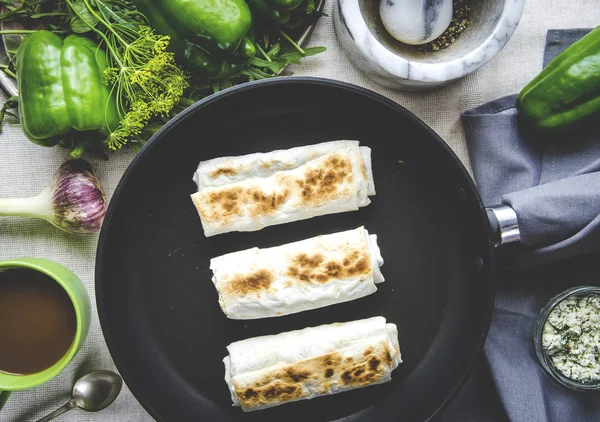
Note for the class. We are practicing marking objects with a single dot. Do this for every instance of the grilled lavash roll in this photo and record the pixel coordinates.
(295, 277)
(267, 371)
(250, 192)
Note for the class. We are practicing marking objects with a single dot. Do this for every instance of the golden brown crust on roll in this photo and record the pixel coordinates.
(330, 372)
(316, 268)
(307, 274)
(254, 283)
(326, 179)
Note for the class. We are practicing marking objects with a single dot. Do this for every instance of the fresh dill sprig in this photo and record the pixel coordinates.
(145, 78)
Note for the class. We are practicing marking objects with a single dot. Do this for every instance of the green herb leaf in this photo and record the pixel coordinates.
(83, 20)
(11, 104)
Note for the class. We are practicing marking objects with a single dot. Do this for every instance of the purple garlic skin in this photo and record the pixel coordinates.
(78, 200)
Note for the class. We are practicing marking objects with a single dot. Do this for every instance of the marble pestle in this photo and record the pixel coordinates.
(416, 21)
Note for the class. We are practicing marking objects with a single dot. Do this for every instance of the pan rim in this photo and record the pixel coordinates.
(117, 357)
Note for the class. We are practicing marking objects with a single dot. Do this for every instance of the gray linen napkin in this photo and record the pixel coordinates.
(526, 392)
(554, 186)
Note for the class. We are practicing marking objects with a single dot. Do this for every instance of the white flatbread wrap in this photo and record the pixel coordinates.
(295, 277)
(250, 192)
(267, 371)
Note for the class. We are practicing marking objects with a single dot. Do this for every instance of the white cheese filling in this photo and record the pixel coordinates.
(571, 338)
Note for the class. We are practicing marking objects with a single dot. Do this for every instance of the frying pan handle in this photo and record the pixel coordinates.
(505, 224)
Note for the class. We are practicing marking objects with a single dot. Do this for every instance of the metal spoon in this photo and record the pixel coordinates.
(92, 392)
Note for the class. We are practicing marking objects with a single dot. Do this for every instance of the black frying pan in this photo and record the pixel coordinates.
(158, 306)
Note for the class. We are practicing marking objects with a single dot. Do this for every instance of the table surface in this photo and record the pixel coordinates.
(25, 168)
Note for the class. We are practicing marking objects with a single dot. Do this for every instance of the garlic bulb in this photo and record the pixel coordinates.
(73, 202)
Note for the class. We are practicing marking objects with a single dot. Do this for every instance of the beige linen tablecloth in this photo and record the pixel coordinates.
(25, 168)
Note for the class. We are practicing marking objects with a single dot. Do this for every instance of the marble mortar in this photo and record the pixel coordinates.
(395, 65)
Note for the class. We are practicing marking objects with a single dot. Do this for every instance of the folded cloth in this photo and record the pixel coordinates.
(554, 188)
(553, 185)
(525, 390)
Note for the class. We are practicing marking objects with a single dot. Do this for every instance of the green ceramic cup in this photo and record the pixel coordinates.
(81, 302)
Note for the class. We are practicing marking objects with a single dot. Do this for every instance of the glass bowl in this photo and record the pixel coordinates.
(543, 357)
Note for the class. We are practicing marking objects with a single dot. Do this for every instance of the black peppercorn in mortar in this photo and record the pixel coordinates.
(460, 21)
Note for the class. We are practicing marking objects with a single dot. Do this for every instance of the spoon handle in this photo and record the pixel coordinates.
(4, 395)
(63, 409)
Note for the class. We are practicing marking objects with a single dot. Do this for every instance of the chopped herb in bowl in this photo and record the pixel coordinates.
(567, 338)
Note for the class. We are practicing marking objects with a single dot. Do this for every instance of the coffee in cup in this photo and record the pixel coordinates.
(39, 322)
(45, 317)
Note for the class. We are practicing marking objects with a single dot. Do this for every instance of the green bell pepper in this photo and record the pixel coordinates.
(567, 91)
(287, 15)
(208, 37)
(285, 4)
(61, 89)
(264, 9)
